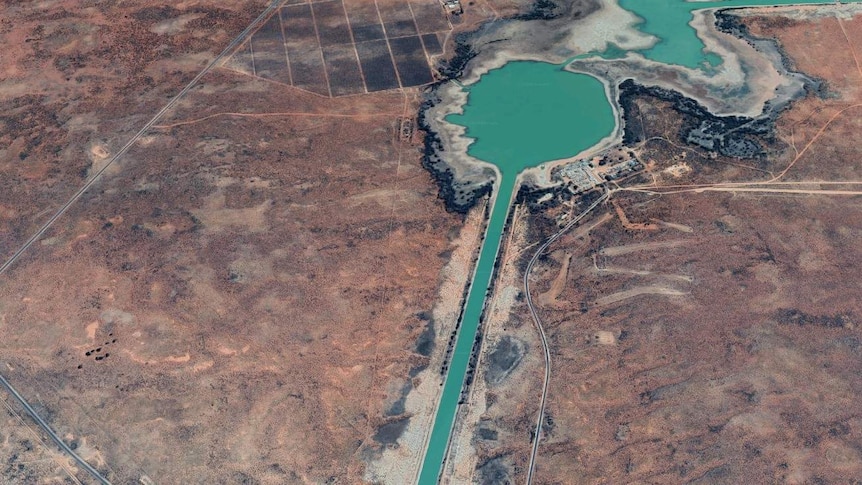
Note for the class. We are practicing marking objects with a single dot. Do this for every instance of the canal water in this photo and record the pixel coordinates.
(527, 113)
(520, 115)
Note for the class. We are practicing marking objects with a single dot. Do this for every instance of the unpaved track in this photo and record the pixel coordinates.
(77, 195)
(538, 322)
(550, 297)
(639, 272)
(631, 248)
(637, 291)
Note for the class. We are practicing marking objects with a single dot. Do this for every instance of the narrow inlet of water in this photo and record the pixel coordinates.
(460, 358)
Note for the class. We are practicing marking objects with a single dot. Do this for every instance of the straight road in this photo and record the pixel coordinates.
(122, 151)
(50, 432)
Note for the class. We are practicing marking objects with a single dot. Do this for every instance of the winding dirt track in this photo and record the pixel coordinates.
(538, 322)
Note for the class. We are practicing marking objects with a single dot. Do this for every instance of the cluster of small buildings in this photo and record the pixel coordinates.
(583, 175)
(580, 175)
(622, 169)
(453, 7)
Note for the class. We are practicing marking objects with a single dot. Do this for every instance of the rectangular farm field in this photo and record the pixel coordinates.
(343, 69)
(267, 47)
(411, 61)
(331, 23)
(432, 44)
(306, 66)
(270, 31)
(397, 18)
(364, 20)
(298, 24)
(377, 65)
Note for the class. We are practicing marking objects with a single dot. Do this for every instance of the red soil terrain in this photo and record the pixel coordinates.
(239, 298)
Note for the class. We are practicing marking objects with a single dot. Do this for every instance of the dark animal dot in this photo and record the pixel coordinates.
(88, 353)
(80, 366)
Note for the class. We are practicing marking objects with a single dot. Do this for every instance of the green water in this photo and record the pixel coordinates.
(521, 115)
(678, 42)
(527, 113)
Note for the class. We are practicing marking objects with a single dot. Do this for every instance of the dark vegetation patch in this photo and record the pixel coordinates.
(388, 433)
(731, 24)
(732, 136)
(493, 472)
(397, 407)
(793, 316)
(474, 360)
(529, 196)
(463, 53)
(458, 197)
(425, 342)
(505, 357)
(487, 434)
(540, 10)
(550, 10)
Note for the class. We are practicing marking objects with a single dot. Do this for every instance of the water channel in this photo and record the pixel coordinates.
(555, 114)
(527, 113)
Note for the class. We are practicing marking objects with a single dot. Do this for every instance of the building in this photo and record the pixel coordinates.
(453, 7)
